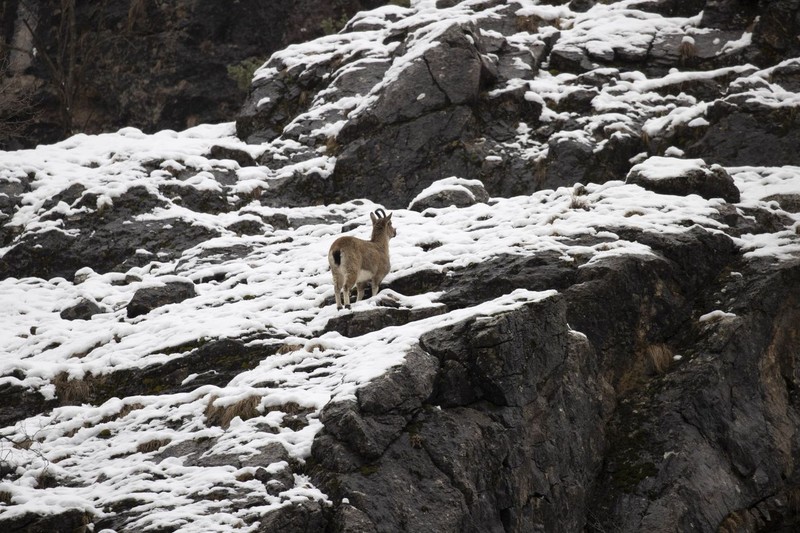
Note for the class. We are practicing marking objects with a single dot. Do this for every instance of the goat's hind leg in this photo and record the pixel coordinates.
(337, 289)
(350, 281)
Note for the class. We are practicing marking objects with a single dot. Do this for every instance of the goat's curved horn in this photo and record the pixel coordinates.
(380, 213)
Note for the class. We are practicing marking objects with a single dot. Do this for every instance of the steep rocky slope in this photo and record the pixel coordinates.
(591, 323)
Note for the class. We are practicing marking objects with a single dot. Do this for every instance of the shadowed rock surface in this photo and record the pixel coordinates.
(153, 65)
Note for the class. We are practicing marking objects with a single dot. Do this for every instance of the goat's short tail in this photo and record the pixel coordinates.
(337, 257)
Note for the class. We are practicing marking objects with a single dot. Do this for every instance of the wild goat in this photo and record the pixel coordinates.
(354, 261)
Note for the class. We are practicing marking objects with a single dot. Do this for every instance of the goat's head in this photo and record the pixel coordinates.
(382, 224)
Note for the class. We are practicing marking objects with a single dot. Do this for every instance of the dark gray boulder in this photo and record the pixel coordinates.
(10, 191)
(149, 298)
(18, 403)
(450, 192)
(362, 322)
(84, 309)
(247, 226)
(787, 75)
(498, 275)
(568, 161)
(349, 519)
(775, 34)
(381, 412)
(787, 202)
(681, 177)
(570, 59)
(226, 152)
(704, 50)
(272, 104)
(71, 520)
(401, 159)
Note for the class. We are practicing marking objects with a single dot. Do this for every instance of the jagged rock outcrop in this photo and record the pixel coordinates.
(449, 435)
(771, 133)
(461, 105)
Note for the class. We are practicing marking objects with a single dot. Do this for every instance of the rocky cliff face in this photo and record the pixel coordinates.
(100, 66)
(591, 323)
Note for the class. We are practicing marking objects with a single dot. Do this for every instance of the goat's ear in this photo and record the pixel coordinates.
(373, 217)
(389, 216)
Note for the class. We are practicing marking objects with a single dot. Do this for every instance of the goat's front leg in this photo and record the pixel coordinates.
(376, 286)
(360, 286)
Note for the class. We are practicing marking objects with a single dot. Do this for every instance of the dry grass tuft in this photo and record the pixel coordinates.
(660, 357)
(736, 521)
(125, 411)
(634, 213)
(289, 348)
(578, 201)
(332, 146)
(529, 24)
(245, 476)
(687, 49)
(316, 347)
(221, 416)
(128, 409)
(152, 445)
(71, 391)
(137, 10)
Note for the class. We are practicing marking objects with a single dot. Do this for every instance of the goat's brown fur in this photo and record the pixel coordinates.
(355, 262)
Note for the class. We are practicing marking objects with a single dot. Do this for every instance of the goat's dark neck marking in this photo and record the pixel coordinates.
(337, 257)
